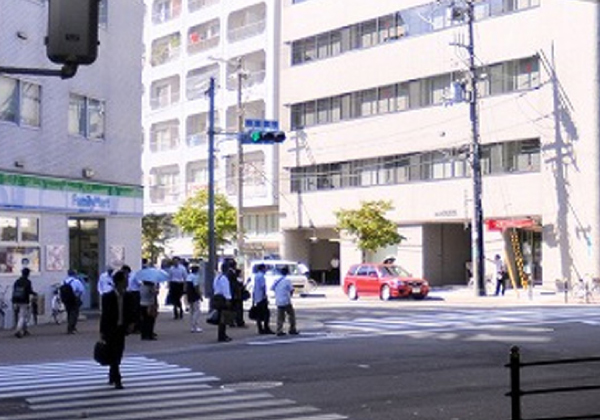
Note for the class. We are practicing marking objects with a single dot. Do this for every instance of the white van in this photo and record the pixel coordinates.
(273, 273)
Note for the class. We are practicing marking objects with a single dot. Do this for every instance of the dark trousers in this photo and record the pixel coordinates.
(147, 321)
(115, 341)
(500, 286)
(175, 294)
(238, 310)
(135, 307)
(72, 316)
(264, 317)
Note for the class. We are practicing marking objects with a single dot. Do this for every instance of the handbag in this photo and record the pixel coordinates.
(213, 317)
(101, 353)
(254, 313)
(245, 294)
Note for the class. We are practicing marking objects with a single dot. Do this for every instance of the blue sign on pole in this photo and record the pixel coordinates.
(266, 125)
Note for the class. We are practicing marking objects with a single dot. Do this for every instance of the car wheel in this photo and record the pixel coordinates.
(352, 293)
(384, 294)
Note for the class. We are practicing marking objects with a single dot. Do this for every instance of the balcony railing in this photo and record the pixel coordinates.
(165, 100)
(253, 78)
(202, 45)
(194, 5)
(246, 31)
(164, 194)
(163, 53)
(197, 139)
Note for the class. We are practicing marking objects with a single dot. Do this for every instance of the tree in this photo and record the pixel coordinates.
(192, 218)
(157, 229)
(369, 225)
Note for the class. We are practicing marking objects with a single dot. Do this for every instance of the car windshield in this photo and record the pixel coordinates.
(276, 268)
(394, 271)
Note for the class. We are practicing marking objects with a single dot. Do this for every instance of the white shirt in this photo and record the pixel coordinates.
(105, 283)
(283, 291)
(259, 292)
(178, 273)
(133, 283)
(303, 269)
(76, 285)
(221, 286)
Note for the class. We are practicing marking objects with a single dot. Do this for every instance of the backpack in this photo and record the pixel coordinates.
(67, 295)
(19, 291)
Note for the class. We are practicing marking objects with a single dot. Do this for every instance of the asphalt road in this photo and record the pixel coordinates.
(366, 360)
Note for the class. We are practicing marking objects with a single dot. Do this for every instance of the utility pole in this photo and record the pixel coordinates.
(478, 268)
(240, 167)
(212, 253)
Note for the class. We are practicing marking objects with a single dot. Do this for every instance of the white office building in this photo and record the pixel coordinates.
(70, 171)
(374, 96)
(187, 43)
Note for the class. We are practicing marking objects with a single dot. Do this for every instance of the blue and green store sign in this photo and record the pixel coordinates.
(40, 193)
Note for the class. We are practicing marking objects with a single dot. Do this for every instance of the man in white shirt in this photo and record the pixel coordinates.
(222, 300)
(72, 308)
(177, 275)
(105, 281)
(260, 300)
(501, 275)
(284, 289)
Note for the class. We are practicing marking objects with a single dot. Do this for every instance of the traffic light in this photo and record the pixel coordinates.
(72, 31)
(263, 137)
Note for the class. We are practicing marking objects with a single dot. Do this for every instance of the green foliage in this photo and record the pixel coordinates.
(192, 218)
(371, 229)
(157, 229)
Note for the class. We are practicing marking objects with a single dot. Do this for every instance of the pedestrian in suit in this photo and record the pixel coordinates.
(116, 321)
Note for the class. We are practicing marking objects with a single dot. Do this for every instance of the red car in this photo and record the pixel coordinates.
(384, 280)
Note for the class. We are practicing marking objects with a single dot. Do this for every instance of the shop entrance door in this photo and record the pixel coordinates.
(84, 256)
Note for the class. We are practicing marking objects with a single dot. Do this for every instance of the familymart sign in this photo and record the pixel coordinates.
(19, 191)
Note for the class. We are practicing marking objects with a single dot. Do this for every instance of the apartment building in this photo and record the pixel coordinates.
(187, 43)
(376, 101)
(70, 171)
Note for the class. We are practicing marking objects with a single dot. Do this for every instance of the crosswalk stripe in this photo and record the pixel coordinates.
(175, 400)
(132, 390)
(100, 384)
(78, 389)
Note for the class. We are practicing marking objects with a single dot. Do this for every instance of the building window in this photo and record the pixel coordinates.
(19, 243)
(20, 102)
(414, 21)
(498, 158)
(501, 78)
(86, 117)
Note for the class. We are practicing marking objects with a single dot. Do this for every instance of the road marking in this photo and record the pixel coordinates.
(47, 391)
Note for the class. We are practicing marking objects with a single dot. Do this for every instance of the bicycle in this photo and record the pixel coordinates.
(57, 306)
(490, 285)
(309, 285)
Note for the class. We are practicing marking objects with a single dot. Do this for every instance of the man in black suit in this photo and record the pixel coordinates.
(116, 321)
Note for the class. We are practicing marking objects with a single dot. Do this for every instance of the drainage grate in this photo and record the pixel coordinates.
(14, 406)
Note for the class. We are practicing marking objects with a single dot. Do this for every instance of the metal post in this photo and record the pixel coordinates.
(515, 383)
(477, 222)
(212, 257)
(240, 168)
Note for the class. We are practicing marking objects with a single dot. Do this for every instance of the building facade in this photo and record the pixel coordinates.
(376, 97)
(70, 171)
(187, 43)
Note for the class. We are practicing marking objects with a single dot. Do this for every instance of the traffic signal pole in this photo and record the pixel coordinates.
(240, 167)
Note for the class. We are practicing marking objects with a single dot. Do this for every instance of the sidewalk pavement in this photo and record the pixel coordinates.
(50, 342)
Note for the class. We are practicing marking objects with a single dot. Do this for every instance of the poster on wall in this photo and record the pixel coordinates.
(55, 257)
(116, 257)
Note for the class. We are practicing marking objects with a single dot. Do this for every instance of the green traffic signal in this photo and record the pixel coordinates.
(263, 137)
